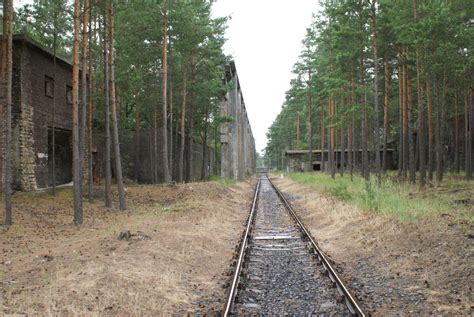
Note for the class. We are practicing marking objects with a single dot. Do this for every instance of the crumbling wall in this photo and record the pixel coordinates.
(238, 156)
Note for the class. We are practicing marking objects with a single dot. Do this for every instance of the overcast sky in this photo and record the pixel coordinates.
(264, 37)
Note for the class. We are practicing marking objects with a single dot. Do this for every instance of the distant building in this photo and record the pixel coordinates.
(238, 155)
(33, 91)
(296, 159)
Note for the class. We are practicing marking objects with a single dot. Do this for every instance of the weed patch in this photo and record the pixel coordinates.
(400, 200)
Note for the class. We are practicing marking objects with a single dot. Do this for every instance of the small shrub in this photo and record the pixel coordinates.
(340, 191)
(371, 197)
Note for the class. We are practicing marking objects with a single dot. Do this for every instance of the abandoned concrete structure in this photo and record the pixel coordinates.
(296, 159)
(238, 156)
(34, 88)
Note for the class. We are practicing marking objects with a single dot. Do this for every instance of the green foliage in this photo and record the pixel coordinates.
(340, 191)
(392, 199)
(223, 181)
(338, 51)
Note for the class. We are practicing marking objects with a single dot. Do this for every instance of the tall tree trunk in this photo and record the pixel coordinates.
(440, 132)
(411, 143)
(352, 152)
(170, 144)
(421, 125)
(108, 168)
(113, 102)
(155, 144)
(456, 133)
(190, 149)
(430, 131)
(77, 160)
(401, 107)
(343, 159)
(385, 111)
(376, 96)
(297, 130)
(333, 137)
(90, 111)
(83, 108)
(406, 138)
(323, 140)
(137, 142)
(53, 107)
(204, 148)
(310, 122)
(164, 116)
(182, 129)
(365, 158)
(471, 132)
(7, 66)
(467, 138)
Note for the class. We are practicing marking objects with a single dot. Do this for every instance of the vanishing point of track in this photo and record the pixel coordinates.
(280, 268)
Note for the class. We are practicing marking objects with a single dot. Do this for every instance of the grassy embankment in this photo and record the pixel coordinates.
(397, 199)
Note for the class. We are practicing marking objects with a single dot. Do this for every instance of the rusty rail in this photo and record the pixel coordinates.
(349, 299)
(243, 248)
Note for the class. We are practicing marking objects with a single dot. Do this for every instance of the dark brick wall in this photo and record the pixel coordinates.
(42, 65)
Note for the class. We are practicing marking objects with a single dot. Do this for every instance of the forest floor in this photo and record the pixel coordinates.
(176, 261)
(415, 258)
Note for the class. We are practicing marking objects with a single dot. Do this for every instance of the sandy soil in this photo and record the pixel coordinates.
(393, 267)
(177, 262)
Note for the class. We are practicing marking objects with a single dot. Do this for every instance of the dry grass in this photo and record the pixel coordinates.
(193, 230)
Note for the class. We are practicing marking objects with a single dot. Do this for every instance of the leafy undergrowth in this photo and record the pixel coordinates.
(223, 181)
(398, 199)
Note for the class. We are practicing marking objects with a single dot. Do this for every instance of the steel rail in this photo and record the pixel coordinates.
(349, 299)
(243, 248)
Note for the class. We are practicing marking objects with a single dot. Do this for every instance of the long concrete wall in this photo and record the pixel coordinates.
(238, 156)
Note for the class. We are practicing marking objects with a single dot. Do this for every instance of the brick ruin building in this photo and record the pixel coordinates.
(238, 156)
(32, 93)
(32, 113)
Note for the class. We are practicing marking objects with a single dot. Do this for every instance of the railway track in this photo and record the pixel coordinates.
(280, 268)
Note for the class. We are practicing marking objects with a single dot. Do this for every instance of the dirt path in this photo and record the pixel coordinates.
(423, 268)
(176, 263)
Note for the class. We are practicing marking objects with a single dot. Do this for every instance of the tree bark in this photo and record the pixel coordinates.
(310, 122)
(385, 111)
(323, 140)
(204, 148)
(184, 93)
(113, 102)
(365, 158)
(53, 107)
(401, 107)
(83, 108)
(411, 144)
(7, 66)
(456, 133)
(376, 96)
(164, 109)
(333, 137)
(430, 130)
(90, 111)
(137, 141)
(77, 161)
(108, 170)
